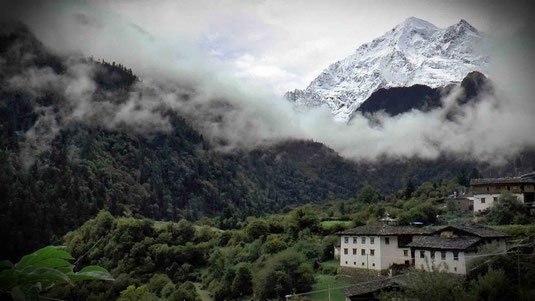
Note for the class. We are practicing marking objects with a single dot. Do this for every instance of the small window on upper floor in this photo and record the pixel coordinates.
(346, 239)
(495, 199)
(482, 200)
(443, 255)
(488, 188)
(354, 251)
(355, 240)
(372, 252)
(455, 255)
(362, 252)
(508, 187)
(387, 240)
(422, 254)
(345, 251)
(405, 253)
(363, 240)
(372, 239)
(432, 254)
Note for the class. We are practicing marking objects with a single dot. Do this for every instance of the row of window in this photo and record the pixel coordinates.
(363, 240)
(362, 251)
(442, 255)
(355, 263)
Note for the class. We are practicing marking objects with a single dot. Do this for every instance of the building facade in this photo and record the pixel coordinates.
(487, 191)
(456, 248)
(452, 248)
(377, 247)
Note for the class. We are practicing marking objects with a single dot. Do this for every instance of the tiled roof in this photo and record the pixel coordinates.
(382, 229)
(476, 230)
(511, 180)
(438, 242)
(367, 287)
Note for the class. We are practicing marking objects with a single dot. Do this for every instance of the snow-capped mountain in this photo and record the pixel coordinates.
(413, 52)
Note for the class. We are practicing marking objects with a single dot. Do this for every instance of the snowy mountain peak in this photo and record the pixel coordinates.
(414, 22)
(413, 52)
(465, 25)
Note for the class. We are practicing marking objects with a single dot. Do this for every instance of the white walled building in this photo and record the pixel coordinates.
(455, 248)
(452, 248)
(487, 191)
(377, 246)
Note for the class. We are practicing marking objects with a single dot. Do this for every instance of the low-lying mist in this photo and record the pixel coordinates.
(233, 115)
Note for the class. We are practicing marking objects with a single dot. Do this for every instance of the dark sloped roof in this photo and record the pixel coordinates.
(511, 180)
(476, 230)
(382, 229)
(438, 242)
(367, 287)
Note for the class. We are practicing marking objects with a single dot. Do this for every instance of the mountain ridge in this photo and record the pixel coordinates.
(413, 52)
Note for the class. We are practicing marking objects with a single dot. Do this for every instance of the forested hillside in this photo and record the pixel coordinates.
(57, 171)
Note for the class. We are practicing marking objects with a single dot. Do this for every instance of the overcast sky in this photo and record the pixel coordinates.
(277, 45)
(239, 57)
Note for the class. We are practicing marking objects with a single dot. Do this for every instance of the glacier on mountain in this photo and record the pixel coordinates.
(413, 52)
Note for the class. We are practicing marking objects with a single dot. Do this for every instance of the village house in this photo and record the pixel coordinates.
(464, 203)
(377, 246)
(487, 191)
(456, 248)
(451, 248)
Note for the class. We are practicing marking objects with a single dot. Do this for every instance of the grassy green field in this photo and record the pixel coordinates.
(327, 224)
(322, 283)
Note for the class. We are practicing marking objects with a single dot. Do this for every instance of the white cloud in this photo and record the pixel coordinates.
(234, 55)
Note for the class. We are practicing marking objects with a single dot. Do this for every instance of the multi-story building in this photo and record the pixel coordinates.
(487, 191)
(452, 248)
(377, 246)
(456, 248)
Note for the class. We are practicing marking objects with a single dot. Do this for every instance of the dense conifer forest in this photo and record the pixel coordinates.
(87, 167)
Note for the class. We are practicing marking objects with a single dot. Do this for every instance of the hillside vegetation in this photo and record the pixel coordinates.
(56, 171)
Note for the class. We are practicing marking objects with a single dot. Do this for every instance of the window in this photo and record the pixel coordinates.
(443, 255)
(362, 252)
(387, 240)
(482, 200)
(422, 254)
(354, 262)
(508, 187)
(372, 252)
(346, 262)
(405, 253)
(354, 240)
(363, 264)
(345, 251)
(346, 239)
(363, 240)
(432, 254)
(455, 255)
(407, 262)
(373, 264)
(455, 269)
(495, 199)
(354, 251)
(488, 188)
(372, 239)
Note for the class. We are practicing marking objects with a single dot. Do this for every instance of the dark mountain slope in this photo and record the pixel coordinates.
(50, 188)
(399, 100)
